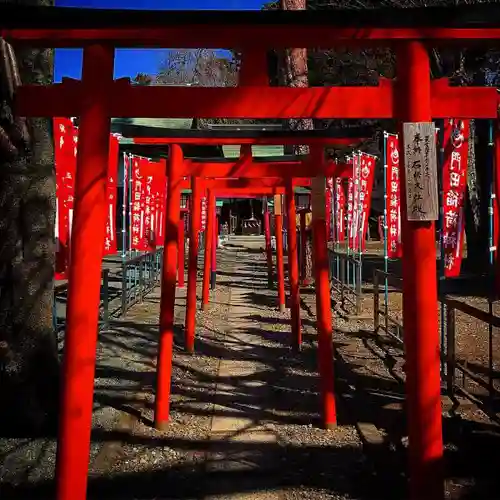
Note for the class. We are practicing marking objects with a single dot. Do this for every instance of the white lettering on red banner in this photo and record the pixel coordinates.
(148, 205)
(328, 202)
(350, 204)
(367, 171)
(65, 162)
(204, 203)
(137, 205)
(456, 141)
(359, 197)
(393, 197)
(339, 210)
(110, 246)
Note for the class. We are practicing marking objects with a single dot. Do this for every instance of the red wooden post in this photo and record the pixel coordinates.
(324, 323)
(168, 282)
(89, 228)
(269, 251)
(303, 241)
(181, 253)
(420, 317)
(215, 239)
(280, 268)
(293, 266)
(194, 230)
(323, 300)
(208, 250)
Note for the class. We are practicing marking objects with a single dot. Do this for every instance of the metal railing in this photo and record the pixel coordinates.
(346, 276)
(483, 390)
(458, 376)
(139, 276)
(121, 287)
(390, 325)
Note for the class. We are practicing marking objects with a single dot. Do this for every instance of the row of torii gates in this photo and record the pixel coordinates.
(98, 97)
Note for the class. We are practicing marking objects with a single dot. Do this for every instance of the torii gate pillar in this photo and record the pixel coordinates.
(280, 268)
(420, 312)
(210, 227)
(194, 230)
(293, 267)
(181, 253)
(269, 251)
(89, 228)
(168, 283)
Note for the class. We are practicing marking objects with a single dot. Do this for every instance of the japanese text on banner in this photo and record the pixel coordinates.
(350, 204)
(329, 202)
(203, 213)
(137, 205)
(393, 199)
(339, 210)
(367, 175)
(65, 137)
(110, 244)
(456, 144)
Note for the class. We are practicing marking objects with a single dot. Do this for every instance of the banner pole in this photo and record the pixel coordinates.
(386, 198)
(124, 207)
(442, 277)
(492, 195)
(334, 230)
(360, 235)
(351, 225)
(492, 248)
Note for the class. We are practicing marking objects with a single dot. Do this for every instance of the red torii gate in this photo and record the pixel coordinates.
(255, 186)
(98, 97)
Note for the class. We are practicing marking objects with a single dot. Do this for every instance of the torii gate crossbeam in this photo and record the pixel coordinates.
(98, 97)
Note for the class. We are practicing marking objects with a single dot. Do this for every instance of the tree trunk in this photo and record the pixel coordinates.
(296, 75)
(29, 366)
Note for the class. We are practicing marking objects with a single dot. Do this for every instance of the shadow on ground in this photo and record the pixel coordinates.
(378, 474)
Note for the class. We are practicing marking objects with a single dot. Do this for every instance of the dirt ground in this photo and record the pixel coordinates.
(364, 458)
(470, 423)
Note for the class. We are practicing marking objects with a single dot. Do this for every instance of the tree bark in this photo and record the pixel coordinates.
(296, 75)
(29, 366)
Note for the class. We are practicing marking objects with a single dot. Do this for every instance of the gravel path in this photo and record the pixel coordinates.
(374, 365)
(278, 395)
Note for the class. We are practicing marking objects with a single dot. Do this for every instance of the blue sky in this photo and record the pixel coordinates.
(129, 62)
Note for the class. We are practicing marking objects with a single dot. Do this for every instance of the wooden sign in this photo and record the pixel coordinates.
(419, 142)
(277, 204)
(318, 197)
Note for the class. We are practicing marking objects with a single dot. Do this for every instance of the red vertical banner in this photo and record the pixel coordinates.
(149, 175)
(70, 179)
(126, 173)
(328, 201)
(138, 190)
(162, 207)
(65, 162)
(353, 204)
(156, 208)
(110, 244)
(339, 210)
(350, 205)
(456, 146)
(366, 178)
(203, 213)
(393, 197)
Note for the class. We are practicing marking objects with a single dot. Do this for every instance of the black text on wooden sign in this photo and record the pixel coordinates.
(419, 142)
(318, 197)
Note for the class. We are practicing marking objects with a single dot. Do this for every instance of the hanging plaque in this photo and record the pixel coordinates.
(421, 171)
(277, 204)
(318, 197)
